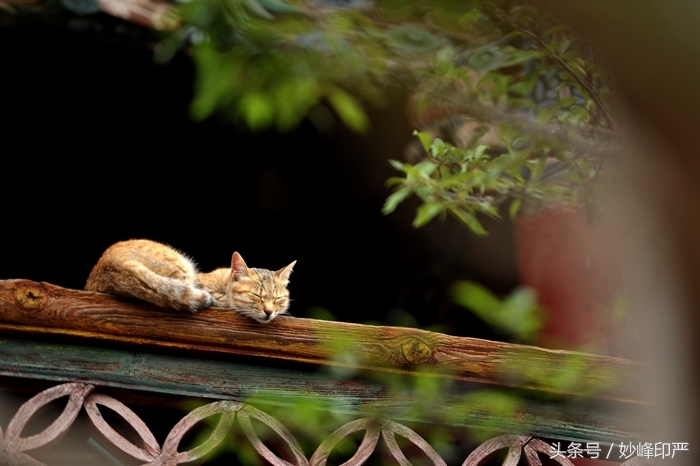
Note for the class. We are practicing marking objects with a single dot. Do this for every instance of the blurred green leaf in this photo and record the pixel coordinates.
(425, 168)
(412, 40)
(477, 298)
(395, 199)
(470, 220)
(524, 87)
(479, 152)
(257, 8)
(426, 212)
(515, 207)
(397, 165)
(349, 110)
(258, 110)
(425, 139)
(518, 314)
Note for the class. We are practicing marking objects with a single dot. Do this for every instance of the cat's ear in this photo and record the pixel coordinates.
(284, 273)
(238, 267)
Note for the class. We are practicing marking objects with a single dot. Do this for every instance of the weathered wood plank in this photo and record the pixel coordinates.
(28, 307)
(174, 374)
(223, 380)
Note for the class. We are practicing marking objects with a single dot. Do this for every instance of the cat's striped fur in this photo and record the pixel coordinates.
(159, 274)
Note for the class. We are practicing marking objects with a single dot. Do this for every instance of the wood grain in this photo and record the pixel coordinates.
(29, 307)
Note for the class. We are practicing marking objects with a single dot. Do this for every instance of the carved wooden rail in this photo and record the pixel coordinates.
(14, 447)
(219, 355)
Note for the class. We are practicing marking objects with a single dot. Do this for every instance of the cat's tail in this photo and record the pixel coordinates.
(135, 280)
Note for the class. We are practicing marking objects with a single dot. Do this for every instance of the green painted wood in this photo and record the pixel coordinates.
(273, 386)
(173, 374)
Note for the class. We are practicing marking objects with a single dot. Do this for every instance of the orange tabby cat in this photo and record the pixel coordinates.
(161, 275)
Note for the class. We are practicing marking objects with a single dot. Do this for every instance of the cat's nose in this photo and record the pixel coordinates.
(268, 312)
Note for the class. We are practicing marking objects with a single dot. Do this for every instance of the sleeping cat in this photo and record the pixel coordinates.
(159, 274)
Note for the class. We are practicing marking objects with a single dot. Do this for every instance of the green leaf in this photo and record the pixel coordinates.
(349, 110)
(537, 168)
(438, 147)
(469, 219)
(411, 40)
(525, 86)
(425, 168)
(425, 139)
(563, 45)
(520, 302)
(424, 191)
(398, 165)
(394, 180)
(212, 84)
(395, 199)
(515, 207)
(477, 298)
(489, 209)
(517, 314)
(516, 56)
(426, 212)
(294, 98)
(479, 151)
(257, 8)
(258, 110)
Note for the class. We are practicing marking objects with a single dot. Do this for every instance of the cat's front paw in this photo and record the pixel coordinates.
(199, 299)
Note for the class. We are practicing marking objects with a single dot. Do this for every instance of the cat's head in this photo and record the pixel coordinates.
(260, 294)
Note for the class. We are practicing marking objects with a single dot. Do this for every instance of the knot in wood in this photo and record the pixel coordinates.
(415, 350)
(30, 297)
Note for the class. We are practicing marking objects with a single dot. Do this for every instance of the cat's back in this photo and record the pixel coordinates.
(156, 257)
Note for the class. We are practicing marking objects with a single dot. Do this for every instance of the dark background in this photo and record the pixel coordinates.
(98, 146)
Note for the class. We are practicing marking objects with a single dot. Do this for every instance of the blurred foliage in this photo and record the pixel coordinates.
(542, 125)
(518, 315)
(467, 182)
(434, 405)
(572, 371)
(531, 86)
(544, 115)
(270, 62)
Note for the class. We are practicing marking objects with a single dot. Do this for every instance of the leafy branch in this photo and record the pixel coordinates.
(549, 109)
(518, 74)
(556, 57)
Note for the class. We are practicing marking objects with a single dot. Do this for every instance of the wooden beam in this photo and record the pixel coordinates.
(31, 308)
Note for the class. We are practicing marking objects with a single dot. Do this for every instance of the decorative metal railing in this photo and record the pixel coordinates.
(14, 449)
(219, 357)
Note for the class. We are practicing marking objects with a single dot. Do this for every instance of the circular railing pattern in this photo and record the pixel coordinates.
(13, 446)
